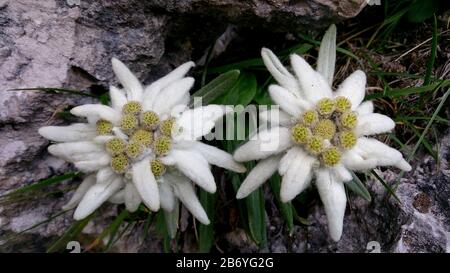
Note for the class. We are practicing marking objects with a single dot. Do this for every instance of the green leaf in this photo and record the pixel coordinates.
(420, 10)
(358, 187)
(72, 232)
(43, 183)
(285, 208)
(206, 232)
(242, 93)
(408, 91)
(56, 90)
(430, 62)
(386, 186)
(257, 217)
(216, 87)
(114, 227)
(239, 65)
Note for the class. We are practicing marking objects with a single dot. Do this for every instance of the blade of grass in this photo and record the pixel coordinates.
(73, 231)
(48, 220)
(424, 132)
(408, 91)
(358, 187)
(43, 183)
(390, 190)
(55, 90)
(430, 62)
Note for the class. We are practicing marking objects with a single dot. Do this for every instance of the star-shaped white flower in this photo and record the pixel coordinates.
(143, 147)
(320, 135)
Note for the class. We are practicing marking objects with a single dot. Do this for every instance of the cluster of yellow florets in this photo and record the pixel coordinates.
(143, 130)
(326, 131)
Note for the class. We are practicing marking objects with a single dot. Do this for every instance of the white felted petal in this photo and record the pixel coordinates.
(266, 143)
(275, 117)
(383, 154)
(96, 196)
(353, 88)
(327, 55)
(332, 194)
(312, 83)
(218, 157)
(105, 175)
(118, 198)
(118, 98)
(195, 167)
(199, 121)
(97, 110)
(279, 72)
(94, 164)
(74, 132)
(354, 161)
(341, 173)
(152, 91)
(87, 183)
(287, 102)
(166, 195)
(70, 151)
(146, 184)
(298, 175)
(172, 95)
(365, 108)
(372, 124)
(185, 191)
(258, 175)
(287, 158)
(132, 198)
(128, 80)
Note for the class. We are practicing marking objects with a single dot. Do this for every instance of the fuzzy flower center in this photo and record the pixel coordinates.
(143, 134)
(326, 131)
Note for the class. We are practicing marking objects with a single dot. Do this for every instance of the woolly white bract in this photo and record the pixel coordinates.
(320, 135)
(143, 147)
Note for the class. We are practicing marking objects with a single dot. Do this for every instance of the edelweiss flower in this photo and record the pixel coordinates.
(320, 134)
(144, 147)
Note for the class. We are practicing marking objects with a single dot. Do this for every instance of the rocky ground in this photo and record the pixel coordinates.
(69, 43)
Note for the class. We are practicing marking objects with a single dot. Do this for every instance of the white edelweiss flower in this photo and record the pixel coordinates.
(127, 147)
(320, 133)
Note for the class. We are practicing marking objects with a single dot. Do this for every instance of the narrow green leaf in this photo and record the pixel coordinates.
(56, 90)
(114, 227)
(48, 220)
(72, 232)
(223, 83)
(206, 232)
(430, 62)
(146, 228)
(43, 183)
(257, 217)
(386, 186)
(425, 131)
(358, 187)
(408, 91)
(285, 208)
